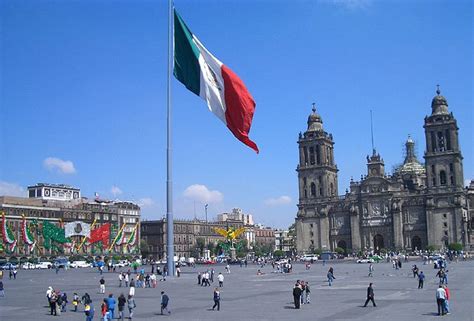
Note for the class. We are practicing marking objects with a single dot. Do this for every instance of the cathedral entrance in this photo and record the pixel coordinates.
(416, 243)
(342, 244)
(378, 242)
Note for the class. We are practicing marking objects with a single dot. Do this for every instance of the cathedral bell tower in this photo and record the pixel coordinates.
(317, 171)
(443, 159)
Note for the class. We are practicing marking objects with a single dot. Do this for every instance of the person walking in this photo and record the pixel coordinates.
(120, 277)
(89, 311)
(131, 306)
(220, 278)
(370, 296)
(421, 280)
(126, 279)
(111, 305)
(199, 278)
(75, 301)
(102, 285)
(227, 268)
(217, 299)
(415, 271)
(308, 292)
(212, 275)
(2, 290)
(371, 270)
(132, 288)
(164, 302)
(446, 301)
(297, 294)
(64, 302)
(52, 302)
(440, 298)
(330, 276)
(121, 305)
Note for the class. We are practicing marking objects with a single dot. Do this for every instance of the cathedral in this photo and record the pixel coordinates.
(416, 206)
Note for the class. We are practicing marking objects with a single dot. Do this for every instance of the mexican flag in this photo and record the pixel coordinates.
(206, 76)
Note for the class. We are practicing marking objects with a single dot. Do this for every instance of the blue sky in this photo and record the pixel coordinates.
(83, 95)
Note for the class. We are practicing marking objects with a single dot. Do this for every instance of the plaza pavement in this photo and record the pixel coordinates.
(246, 296)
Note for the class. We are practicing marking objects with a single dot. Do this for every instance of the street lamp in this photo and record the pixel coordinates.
(205, 208)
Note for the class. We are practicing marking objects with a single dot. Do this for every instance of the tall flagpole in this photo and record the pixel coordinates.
(169, 185)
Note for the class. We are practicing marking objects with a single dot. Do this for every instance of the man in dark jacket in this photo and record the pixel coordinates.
(164, 302)
(421, 279)
(297, 295)
(370, 295)
(121, 304)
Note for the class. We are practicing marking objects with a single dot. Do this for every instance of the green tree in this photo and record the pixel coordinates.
(339, 250)
(212, 248)
(455, 247)
(278, 253)
(200, 244)
(144, 248)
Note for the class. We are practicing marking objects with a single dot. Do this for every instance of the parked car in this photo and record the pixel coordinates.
(365, 260)
(8, 266)
(309, 257)
(43, 265)
(282, 261)
(28, 266)
(80, 264)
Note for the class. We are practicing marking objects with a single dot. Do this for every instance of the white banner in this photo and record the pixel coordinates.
(77, 228)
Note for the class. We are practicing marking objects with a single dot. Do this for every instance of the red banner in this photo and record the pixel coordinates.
(101, 234)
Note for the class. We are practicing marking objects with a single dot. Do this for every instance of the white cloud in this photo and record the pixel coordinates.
(115, 190)
(282, 200)
(59, 165)
(350, 4)
(146, 202)
(11, 189)
(467, 182)
(202, 194)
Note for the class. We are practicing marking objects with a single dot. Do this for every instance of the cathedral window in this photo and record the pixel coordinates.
(441, 143)
(448, 139)
(313, 189)
(452, 179)
(332, 189)
(311, 155)
(433, 142)
(304, 181)
(305, 193)
(442, 178)
(305, 152)
(318, 154)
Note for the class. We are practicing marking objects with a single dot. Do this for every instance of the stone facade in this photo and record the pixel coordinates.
(186, 233)
(418, 205)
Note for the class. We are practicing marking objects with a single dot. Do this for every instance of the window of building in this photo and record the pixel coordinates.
(332, 189)
(304, 181)
(31, 193)
(452, 179)
(311, 234)
(441, 143)
(305, 193)
(312, 242)
(311, 225)
(446, 233)
(313, 189)
(451, 167)
(305, 152)
(433, 142)
(311, 155)
(318, 154)
(448, 139)
(442, 177)
(444, 215)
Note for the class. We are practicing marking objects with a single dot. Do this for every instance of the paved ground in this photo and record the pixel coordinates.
(246, 296)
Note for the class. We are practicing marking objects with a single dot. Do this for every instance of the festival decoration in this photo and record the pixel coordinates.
(101, 234)
(85, 238)
(26, 233)
(77, 228)
(53, 233)
(8, 236)
(118, 240)
(132, 240)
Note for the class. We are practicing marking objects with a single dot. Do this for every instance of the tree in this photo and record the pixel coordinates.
(339, 250)
(455, 247)
(144, 248)
(278, 253)
(200, 244)
(211, 247)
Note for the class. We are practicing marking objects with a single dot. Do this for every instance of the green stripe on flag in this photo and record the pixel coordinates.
(186, 56)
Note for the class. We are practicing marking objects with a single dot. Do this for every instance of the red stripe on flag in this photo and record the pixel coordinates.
(240, 107)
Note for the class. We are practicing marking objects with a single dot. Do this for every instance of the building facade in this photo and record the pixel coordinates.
(186, 235)
(34, 226)
(416, 206)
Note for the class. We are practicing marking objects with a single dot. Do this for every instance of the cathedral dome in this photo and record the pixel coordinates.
(411, 165)
(315, 121)
(439, 104)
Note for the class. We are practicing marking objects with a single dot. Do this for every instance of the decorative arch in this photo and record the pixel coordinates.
(378, 242)
(416, 243)
(342, 244)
